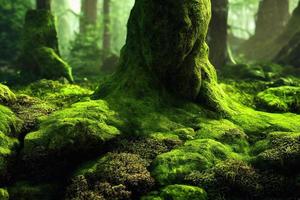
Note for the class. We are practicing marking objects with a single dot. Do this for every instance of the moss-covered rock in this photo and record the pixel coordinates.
(4, 194)
(279, 151)
(6, 95)
(195, 155)
(40, 55)
(118, 169)
(83, 127)
(280, 99)
(178, 192)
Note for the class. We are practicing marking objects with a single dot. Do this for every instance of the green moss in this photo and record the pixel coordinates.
(197, 155)
(56, 92)
(6, 96)
(280, 151)
(9, 123)
(31, 191)
(40, 55)
(82, 128)
(280, 99)
(4, 194)
(178, 192)
(116, 169)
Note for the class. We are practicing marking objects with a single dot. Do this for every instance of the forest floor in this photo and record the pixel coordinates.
(57, 142)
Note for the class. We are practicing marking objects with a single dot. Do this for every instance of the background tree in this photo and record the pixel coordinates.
(217, 33)
(43, 4)
(89, 14)
(106, 28)
(271, 18)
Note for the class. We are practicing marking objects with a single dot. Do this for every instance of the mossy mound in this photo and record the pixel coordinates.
(58, 93)
(4, 194)
(280, 99)
(178, 192)
(232, 178)
(9, 123)
(6, 95)
(40, 55)
(83, 127)
(31, 191)
(125, 171)
(29, 109)
(195, 155)
(279, 151)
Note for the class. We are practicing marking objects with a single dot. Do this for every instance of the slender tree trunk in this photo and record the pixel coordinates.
(89, 14)
(43, 4)
(217, 34)
(106, 30)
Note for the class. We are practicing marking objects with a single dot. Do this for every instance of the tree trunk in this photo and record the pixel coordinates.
(106, 29)
(288, 43)
(166, 53)
(89, 14)
(217, 33)
(43, 4)
(272, 17)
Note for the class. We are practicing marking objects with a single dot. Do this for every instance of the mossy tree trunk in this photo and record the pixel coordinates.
(106, 29)
(40, 57)
(217, 33)
(89, 14)
(43, 4)
(166, 51)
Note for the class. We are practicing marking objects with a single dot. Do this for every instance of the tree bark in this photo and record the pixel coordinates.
(166, 53)
(89, 14)
(43, 4)
(106, 29)
(217, 33)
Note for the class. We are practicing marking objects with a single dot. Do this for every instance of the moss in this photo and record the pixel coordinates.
(197, 155)
(9, 123)
(8, 147)
(146, 148)
(55, 92)
(4, 194)
(280, 99)
(279, 151)
(6, 95)
(178, 192)
(116, 169)
(40, 56)
(82, 128)
(31, 191)
(230, 178)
